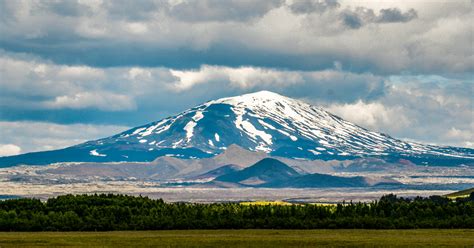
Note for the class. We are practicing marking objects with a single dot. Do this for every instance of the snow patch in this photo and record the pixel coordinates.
(253, 132)
(198, 116)
(314, 152)
(95, 153)
(189, 128)
(138, 130)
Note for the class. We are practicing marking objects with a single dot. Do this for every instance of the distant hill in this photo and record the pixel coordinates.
(273, 173)
(265, 171)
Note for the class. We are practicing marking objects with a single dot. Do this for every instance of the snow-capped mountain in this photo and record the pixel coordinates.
(262, 121)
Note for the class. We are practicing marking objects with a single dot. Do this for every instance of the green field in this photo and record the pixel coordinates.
(462, 193)
(245, 238)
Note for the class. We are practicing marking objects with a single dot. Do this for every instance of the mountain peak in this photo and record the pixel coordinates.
(264, 94)
(263, 97)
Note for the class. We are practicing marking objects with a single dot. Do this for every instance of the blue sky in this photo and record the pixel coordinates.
(71, 71)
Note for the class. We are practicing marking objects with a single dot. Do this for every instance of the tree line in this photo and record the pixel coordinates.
(107, 212)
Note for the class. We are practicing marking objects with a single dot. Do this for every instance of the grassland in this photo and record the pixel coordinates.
(263, 203)
(282, 203)
(462, 193)
(244, 238)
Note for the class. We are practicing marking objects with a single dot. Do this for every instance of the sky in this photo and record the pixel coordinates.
(72, 71)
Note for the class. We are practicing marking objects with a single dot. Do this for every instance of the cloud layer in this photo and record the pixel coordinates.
(414, 37)
(79, 70)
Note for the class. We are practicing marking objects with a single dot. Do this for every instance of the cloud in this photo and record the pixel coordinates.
(54, 87)
(431, 109)
(361, 16)
(100, 100)
(216, 10)
(404, 68)
(39, 136)
(291, 35)
(374, 116)
(9, 150)
(70, 8)
(310, 6)
(396, 15)
(434, 112)
(41, 84)
(139, 10)
(242, 77)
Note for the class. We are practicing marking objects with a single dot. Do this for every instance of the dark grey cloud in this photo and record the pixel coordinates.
(217, 10)
(137, 10)
(70, 8)
(312, 6)
(353, 19)
(95, 54)
(396, 15)
(267, 34)
(7, 10)
(361, 16)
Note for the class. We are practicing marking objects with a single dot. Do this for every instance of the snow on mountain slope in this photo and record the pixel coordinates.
(262, 121)
(268, 122)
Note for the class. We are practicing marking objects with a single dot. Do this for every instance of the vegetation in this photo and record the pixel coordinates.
(462, 193)
(121, 212)
(267, 203)
(244, 238)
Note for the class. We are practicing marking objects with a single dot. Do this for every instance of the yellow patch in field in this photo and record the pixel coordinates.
(282, 203)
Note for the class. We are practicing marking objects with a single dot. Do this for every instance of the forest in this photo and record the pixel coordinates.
(107, 212)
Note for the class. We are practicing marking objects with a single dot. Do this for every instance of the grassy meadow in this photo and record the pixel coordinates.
(462, 193)
(244, 238)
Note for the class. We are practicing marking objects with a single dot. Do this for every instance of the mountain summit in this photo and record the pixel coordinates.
(262, 121)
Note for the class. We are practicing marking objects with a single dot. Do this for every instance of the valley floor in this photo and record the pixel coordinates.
(46, 181)
(244, 238)
(209, 195)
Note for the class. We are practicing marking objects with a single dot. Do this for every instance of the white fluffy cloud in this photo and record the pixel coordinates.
(242, 77)
(9, 150)
(374, 116)
(100, 100)
(436, 113)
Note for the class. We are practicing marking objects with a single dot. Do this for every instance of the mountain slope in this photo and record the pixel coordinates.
(212, 174)
(261, 121)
